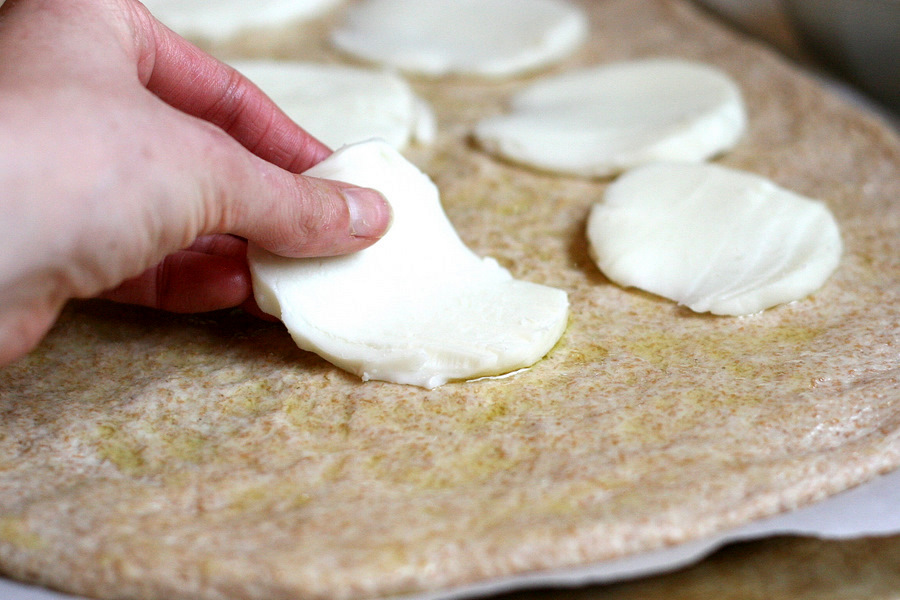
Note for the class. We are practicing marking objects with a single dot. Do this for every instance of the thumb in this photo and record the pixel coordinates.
(300, 216)
(285, 213)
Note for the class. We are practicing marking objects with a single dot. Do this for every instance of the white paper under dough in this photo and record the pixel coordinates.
(713, 239)
(221, 19)
(417, 307)
(603, 120)
(342, 105)
(491, 38)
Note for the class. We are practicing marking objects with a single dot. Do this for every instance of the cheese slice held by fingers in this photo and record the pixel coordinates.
(713, 239)
(417, 307)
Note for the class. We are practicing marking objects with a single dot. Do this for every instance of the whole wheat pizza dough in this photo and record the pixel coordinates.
(147, 455)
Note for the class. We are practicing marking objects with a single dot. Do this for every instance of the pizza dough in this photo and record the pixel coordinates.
(600, 121)
(491, 38)
(417, 307)
(713, 239)
(174, 457)
(221, 19)
(341, 105)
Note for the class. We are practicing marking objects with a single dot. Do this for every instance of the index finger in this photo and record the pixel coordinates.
(194, 82)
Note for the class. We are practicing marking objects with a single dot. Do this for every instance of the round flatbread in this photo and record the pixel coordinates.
(176, 457)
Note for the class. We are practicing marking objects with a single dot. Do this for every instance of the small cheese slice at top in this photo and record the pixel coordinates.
(491, 38)
(417, 307)
(342, 105)
(713, 239)
(221, 19)
(600, 121)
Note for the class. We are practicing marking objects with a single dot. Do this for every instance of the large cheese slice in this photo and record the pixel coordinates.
(341, 105)
(603, 120)
(221, 19)
(713, 239)
(492, 38)
(417, 307)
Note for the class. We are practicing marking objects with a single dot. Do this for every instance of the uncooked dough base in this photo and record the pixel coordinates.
(157, 456)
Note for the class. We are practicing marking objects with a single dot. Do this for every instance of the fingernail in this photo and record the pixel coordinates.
(370, 213)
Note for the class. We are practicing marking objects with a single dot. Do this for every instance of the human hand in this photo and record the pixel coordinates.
(127, 156)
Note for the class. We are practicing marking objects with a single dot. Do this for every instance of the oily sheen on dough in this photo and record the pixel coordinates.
(156, 456)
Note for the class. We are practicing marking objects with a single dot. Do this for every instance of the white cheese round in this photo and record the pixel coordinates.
(221, 19)
(342, 105)
(492, 38)
(713, 239)
(600, 121)
(417, 307)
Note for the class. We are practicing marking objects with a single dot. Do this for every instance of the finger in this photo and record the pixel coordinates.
(301, 216)
(239, 193)
(186, 282)
(220, 245)
(22, 327)
(190, 80)
(285, 213)
(251, 307)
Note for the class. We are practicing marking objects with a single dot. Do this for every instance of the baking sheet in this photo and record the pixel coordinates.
(867, 510)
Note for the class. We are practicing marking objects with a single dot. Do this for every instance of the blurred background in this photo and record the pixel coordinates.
(854, 45)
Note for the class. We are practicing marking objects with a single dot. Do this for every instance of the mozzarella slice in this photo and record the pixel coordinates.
(221, 19)
(600, 121)
(713, 239)
(493, 38)
(341, 105)
(417, 307)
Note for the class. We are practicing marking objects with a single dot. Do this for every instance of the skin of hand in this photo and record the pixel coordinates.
(135, 167)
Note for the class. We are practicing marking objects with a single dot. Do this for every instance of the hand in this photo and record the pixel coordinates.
(130, 162)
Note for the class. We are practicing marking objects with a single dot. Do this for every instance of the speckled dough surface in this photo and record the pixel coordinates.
(161, 457)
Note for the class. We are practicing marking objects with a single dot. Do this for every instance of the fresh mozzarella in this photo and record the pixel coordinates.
(341, 105)
(221, 19)
(713, 239)
(418, 306)
(493, 38)
(600, 121)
